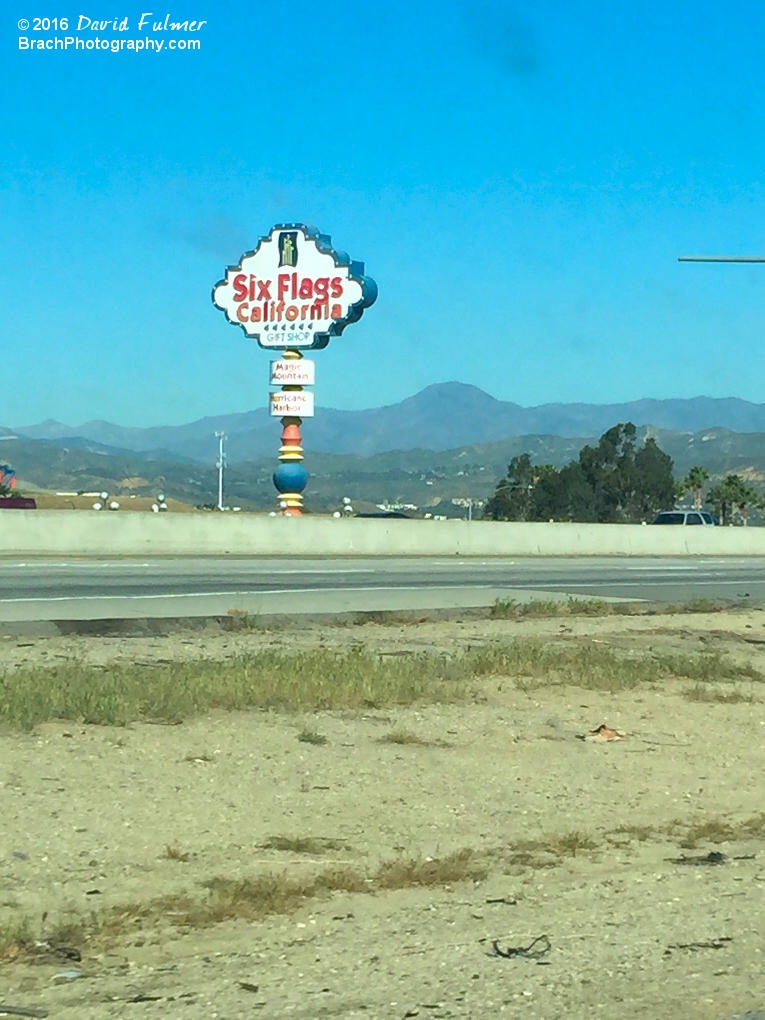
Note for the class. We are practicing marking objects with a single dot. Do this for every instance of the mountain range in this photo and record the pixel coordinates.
(445, 416)
(423, 478)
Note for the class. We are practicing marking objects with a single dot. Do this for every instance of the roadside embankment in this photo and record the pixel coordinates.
(83, 533)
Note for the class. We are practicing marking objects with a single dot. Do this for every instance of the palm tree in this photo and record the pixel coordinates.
(694, 481)
(731, 493)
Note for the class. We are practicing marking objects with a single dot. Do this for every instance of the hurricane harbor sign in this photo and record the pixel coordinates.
(294, 290)
(291, 404)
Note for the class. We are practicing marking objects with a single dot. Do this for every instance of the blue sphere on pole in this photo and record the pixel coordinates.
(290, 476)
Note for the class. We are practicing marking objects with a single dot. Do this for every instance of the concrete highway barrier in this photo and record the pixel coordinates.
(98, 534)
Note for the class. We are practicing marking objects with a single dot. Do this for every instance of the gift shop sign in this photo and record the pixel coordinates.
(294, 290)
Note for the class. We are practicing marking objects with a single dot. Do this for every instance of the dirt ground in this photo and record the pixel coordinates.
(54, 501)
(89, 812)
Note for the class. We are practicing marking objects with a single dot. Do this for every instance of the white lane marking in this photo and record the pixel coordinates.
(265, 570)
(742, 582)
(355, 570)
(682, 567)
(236, 594)
(560, 588)
(677, 576)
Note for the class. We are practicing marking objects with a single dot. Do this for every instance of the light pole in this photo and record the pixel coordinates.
(221, 437)
(721, 258)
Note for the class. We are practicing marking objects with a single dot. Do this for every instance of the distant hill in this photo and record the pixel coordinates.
(90, 446)
(421, 477)
(52, 466)
(445, 416)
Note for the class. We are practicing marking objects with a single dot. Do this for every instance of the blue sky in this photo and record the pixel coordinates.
(518, 177)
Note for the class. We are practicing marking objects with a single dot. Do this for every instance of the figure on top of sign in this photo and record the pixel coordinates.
(288, 249)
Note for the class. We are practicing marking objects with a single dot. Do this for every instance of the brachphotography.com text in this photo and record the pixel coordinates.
(148, 32)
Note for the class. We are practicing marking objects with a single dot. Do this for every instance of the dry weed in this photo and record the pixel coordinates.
(307, 736)
(316, 679)
(174, 853)
(539, 608)
(404, 737)
(403, 873)
(313, 846)
(719, 830)
(550, 851)
(701, 692)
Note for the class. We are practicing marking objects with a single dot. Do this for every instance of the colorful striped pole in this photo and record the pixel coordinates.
(291, 477)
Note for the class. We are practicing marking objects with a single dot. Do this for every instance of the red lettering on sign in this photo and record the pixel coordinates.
(288, 285)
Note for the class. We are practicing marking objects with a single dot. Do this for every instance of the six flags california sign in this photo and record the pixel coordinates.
(294, 290)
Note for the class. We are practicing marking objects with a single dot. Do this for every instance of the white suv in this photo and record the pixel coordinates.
(684, 517)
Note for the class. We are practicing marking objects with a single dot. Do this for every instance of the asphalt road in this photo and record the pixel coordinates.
(88, 589)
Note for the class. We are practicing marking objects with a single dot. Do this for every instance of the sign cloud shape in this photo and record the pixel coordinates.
(294, 290)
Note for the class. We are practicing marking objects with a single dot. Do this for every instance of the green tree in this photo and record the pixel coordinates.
(679, 490)
(545, 477)
(612, 481)
(512, 498)
(694, 482)
(730, 494)
(653, 485)
(604, 468)
(564, 495)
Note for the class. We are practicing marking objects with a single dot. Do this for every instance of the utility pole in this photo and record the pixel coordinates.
(221, 437)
